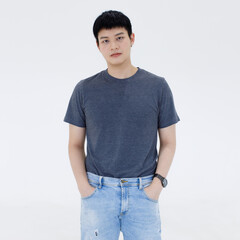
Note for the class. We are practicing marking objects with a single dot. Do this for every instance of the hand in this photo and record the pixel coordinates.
(152, 191)
(87, 191)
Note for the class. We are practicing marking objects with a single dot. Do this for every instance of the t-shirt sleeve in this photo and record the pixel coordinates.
(75, 112)
(167, 112)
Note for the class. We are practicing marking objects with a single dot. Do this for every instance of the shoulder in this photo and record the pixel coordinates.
(154, 78)
(87, 81)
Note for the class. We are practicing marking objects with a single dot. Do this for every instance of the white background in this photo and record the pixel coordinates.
(46, 47)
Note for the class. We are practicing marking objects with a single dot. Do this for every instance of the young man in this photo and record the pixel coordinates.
(121, 109)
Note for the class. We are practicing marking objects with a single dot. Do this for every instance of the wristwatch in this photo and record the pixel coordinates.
(162, 179)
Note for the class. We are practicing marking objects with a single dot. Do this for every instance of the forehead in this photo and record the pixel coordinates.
(111, 32)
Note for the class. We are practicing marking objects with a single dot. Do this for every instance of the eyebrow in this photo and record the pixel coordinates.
(115, 35)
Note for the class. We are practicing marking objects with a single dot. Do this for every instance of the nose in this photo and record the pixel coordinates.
(114, 45)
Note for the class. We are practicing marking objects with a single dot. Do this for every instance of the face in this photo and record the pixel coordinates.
(115, 40)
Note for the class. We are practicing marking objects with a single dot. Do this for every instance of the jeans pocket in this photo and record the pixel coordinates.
(150, 199)
(93, 193)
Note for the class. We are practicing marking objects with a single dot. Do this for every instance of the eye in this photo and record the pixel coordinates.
(104, 41)
(120, 38)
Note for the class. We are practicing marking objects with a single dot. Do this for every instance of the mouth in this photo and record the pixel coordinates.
(115, 54)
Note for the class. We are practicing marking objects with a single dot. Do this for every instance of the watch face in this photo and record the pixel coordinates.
(164, 182)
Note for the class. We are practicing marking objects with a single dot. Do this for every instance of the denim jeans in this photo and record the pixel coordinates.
(119, 204)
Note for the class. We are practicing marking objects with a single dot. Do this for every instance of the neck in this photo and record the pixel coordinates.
(122, 71)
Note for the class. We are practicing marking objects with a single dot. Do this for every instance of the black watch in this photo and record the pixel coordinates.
(162, 179)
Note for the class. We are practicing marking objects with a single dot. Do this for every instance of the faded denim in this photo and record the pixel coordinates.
(119, 204)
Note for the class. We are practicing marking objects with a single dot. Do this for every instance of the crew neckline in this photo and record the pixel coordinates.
(110, 77)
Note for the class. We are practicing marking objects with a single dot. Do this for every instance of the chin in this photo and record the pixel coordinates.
(116, 61)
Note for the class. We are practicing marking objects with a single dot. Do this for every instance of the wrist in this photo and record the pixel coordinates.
(84, 185)
(156, 183)
(162, 179)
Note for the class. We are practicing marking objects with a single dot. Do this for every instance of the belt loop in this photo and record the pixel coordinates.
(100, 181)
(140, 183)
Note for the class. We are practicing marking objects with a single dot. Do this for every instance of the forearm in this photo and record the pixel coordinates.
(166, 154)
(77, 160)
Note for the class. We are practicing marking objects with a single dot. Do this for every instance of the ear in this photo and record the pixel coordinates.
(132, 39)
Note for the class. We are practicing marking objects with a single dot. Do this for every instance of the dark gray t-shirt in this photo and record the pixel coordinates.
(122, 117)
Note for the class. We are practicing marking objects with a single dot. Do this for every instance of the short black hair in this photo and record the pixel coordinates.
(111, 19)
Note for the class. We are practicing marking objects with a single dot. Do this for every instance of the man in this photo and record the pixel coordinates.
(120, 109)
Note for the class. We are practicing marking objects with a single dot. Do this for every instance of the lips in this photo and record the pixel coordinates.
(115, 54)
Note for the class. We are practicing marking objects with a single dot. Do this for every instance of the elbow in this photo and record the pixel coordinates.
(79, 146)
(168, 144)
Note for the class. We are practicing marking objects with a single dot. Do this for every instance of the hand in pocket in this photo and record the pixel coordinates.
(87, 191)
(151, 192)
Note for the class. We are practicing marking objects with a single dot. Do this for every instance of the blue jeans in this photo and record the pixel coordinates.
(119, 204)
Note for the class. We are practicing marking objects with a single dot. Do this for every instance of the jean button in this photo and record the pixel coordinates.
(123, 181)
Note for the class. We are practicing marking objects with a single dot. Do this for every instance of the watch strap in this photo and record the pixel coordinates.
(162, 179)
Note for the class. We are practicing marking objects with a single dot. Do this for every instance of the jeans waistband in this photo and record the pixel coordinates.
(102, 180)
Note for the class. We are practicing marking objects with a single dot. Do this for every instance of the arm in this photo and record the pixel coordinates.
(166, 152)
(77, 158)
(167, 149)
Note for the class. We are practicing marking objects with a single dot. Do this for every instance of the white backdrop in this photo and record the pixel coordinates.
(46, 47)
